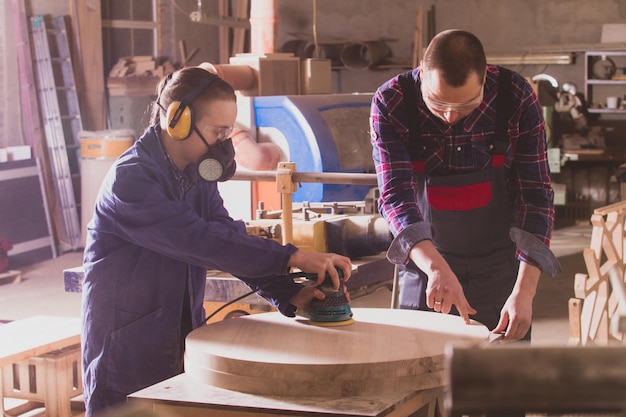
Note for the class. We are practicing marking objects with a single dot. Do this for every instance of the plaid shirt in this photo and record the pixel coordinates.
(463, 148)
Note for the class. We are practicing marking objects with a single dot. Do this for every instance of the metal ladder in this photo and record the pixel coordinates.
(58, 100)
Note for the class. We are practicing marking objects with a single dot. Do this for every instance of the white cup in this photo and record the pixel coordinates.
(612, 103)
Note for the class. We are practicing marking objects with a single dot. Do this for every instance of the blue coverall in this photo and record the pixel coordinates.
(154, 233)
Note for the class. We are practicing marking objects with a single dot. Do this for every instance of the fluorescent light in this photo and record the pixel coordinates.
(200, 17)
(530, 59)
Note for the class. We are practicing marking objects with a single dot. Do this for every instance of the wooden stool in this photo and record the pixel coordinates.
(40, 362)
(50, 380)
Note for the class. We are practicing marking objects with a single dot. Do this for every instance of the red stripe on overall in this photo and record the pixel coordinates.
(465, 197)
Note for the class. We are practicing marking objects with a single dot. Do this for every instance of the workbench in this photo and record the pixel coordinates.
(183, 396)
(35, 336)
(389, 362)
(369, 273)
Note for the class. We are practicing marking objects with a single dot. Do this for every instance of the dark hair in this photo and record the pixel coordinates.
(177, 85)
(456, 54)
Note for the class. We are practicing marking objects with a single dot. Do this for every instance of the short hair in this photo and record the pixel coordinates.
(456, 54)
(179, 84)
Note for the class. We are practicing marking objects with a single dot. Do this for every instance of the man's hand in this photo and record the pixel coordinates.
(443, 289)
(517, 312)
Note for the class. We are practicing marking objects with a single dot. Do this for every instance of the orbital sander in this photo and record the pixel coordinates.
(334, 309)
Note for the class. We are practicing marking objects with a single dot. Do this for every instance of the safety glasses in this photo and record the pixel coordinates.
(220, 132)
(439, 106)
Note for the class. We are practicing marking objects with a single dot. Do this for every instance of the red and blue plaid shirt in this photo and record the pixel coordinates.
(463, 148)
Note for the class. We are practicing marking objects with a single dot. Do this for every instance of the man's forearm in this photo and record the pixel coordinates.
(527, 279)
(427, 257)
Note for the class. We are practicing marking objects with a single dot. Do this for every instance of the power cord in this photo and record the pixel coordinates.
(293, 275)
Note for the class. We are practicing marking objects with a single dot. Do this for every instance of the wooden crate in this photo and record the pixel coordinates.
(49, 381)
(277, 73)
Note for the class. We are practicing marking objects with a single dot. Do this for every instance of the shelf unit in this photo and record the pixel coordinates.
(598, 86)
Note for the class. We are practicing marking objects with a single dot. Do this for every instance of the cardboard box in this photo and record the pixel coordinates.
(613, 33)
(316, 76)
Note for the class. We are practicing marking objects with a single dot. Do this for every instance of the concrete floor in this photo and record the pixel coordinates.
(41, 290)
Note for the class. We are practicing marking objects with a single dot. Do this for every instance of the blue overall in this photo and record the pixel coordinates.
(154, 233)
(470, 215)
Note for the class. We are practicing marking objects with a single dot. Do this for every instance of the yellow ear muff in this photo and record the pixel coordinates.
(179, 120)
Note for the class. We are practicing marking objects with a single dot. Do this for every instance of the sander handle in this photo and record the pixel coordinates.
(312, 276)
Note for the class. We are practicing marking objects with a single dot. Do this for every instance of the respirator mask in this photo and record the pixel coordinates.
(218, 163)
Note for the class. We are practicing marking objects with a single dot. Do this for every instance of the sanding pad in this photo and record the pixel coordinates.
(329, 323)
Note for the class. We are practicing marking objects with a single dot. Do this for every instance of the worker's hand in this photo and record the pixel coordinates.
(517, 313)
(302, 299)
(515, 317)
(322, 263)
(443, 289)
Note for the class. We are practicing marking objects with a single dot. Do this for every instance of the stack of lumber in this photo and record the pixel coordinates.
(143, 66)
(136, 76)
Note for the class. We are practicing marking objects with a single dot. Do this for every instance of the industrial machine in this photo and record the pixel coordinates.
(289, 120)
(340, 227)
(319, 133)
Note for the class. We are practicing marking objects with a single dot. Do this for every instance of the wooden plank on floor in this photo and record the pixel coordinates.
(11, 277)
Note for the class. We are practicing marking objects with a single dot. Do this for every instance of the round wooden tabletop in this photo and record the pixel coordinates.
(384, 350)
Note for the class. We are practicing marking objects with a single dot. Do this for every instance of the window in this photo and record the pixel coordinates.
(129, 28)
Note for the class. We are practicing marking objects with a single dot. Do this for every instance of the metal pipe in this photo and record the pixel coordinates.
(263, 26)
(286, 177)
(317, 177)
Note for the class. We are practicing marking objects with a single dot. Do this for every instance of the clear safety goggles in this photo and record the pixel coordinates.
(446, 107)
(221, 133)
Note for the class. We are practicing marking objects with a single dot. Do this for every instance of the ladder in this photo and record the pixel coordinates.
(58, 100)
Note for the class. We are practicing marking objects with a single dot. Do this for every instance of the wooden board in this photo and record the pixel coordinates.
(34, 336)
(384, 351)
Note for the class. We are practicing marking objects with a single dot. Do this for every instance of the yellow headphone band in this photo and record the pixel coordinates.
(180, 118)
